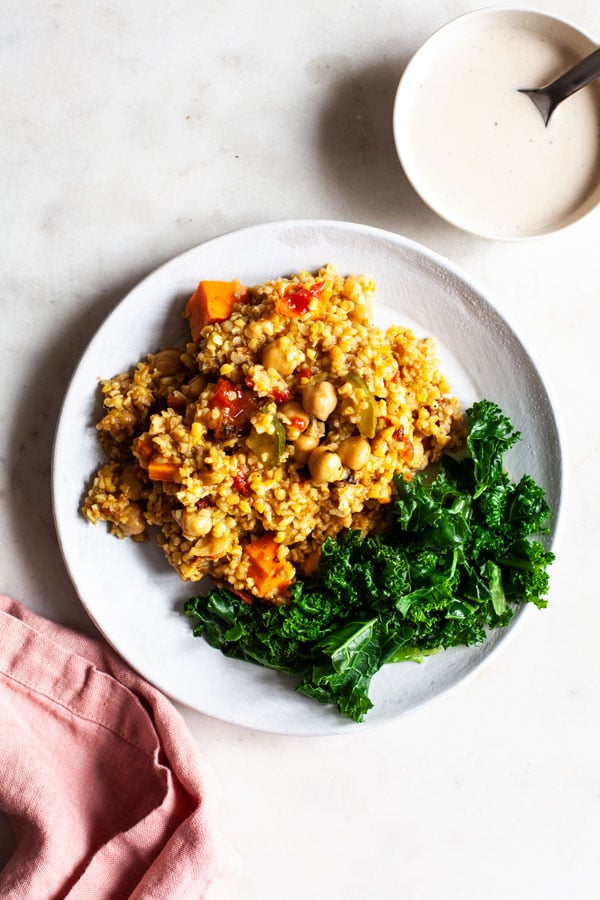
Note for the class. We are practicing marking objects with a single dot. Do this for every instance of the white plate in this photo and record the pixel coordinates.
(130, 591)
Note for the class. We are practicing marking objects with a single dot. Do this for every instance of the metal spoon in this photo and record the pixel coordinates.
(547, 98)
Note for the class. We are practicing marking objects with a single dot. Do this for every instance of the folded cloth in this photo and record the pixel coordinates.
(101, 779)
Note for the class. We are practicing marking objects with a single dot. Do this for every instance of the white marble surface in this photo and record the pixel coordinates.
(131, 131)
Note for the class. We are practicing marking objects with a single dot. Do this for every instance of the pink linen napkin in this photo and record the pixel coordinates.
(101, 779)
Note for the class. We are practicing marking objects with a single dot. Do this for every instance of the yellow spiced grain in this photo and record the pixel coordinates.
(208, 479)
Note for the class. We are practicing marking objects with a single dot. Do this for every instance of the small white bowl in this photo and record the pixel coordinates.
(475, 149)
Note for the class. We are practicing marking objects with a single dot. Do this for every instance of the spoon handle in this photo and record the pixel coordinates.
(577, 77)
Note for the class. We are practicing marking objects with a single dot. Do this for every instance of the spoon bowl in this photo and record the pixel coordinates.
(547, 98)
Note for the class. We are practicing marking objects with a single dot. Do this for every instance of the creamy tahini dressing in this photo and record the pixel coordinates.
(481, 147)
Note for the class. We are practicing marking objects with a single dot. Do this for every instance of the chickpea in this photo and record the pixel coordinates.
(130, 484)
(167, 361)
(133, 522)
(325, 466)
(320, 399)
(195, 387)
(354, 452)
(294, 417)
(303, 447)
(196, 523)
(276, 355)
(308, 441)
(211, 547)
(125, 420)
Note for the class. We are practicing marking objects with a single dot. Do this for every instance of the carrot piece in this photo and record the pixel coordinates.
(144, 448)
(271, 575)
(159, 470)
(212, 301)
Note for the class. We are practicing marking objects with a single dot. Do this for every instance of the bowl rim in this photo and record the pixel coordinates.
(401, 105)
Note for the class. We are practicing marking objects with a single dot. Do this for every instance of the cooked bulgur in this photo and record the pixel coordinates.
(281, 424)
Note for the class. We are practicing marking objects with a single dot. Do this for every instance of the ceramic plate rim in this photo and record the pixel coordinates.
(280, 239)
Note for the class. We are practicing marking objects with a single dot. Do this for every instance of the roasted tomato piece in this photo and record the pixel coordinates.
(298, 299)
(240, 482)
(236, 405)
